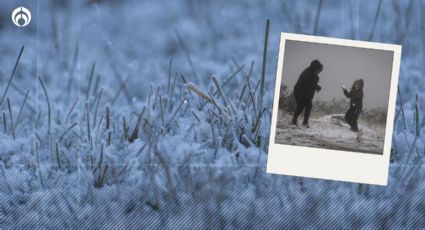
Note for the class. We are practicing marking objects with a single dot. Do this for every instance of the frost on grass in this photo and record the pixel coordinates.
(142, 135)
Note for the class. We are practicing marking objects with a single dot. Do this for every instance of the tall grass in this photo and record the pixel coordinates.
(11, 76)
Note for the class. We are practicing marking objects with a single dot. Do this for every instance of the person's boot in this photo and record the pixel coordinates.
(355, 127)
(306, 125)
(294, 122)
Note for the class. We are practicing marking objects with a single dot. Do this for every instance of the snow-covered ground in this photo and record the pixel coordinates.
(330, 132)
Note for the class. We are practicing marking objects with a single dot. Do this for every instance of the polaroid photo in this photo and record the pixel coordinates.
(333, 109)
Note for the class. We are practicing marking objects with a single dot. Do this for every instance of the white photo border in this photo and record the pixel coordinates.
(327, 163)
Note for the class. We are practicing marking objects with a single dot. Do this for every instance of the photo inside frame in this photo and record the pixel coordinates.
(334, 106)
(314, 110)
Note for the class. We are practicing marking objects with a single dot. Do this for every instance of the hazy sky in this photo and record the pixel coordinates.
(342, 65)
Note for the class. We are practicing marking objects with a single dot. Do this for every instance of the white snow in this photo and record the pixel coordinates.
(332, 132)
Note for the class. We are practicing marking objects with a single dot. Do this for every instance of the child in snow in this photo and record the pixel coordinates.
(356, 104)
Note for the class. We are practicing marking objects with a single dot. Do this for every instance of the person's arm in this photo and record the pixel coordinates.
(318, 88)
(314, 83)
(348, 94)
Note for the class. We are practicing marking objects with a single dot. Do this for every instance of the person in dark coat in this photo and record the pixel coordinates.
(304, 91)
(356, 104)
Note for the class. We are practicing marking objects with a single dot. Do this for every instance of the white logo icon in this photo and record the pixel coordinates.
(21, 16)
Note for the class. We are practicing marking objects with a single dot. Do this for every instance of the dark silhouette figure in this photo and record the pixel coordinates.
(304, 91)
(356, 104)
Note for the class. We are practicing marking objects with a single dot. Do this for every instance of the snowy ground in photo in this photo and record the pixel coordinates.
(329, 132)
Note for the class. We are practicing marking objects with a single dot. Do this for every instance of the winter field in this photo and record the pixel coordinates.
(156, 115)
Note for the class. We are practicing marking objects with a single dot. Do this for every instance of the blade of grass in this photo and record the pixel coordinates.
(317, 20)
(58, 156)
(108, 124)
(170, 96)
(263, 70)
(97, 107)
(125, 128)
(220, 91)
(12, 75)
(162, 111)
(177, 110)
(70, 111)
(232, 76)
(135, 132)
(377, 13)
(156, 99)
(88, 121)
(49, 111)
(4, 122)
(66, 131)
(93, 67)
(22, 92)
(169, 82)
(417, 106)
(21, 109)
(199, 92)
(402, 109)
(11, 118)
